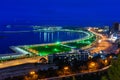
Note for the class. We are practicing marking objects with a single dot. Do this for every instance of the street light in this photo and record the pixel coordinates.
(66, 68)
(32, 72)
(33, 76)
(92, 66)
(106, 61)
(110, 57)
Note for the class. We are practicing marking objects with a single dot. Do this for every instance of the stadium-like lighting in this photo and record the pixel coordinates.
(57, 42)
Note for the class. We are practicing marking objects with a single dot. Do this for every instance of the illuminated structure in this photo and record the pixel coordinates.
(80, 55)
(115, 36)
(93, 66)
(47, 28)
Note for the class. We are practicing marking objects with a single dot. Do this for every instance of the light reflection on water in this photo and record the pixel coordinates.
(27, 38)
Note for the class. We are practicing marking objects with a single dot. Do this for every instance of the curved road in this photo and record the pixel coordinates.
(19, 62)
(87, 72)
(102, 44)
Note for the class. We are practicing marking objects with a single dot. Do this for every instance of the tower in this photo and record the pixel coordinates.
(116, 27)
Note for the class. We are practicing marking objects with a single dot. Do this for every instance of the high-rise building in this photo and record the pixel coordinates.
(80, 55)
(106, 28)
(116, 27)
(119, 28)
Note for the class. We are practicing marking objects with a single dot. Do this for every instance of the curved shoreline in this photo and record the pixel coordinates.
(22, 52)
(67, 41)
(26, 49)
(32, 42)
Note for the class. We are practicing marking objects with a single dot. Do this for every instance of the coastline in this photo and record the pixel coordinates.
(18, 52)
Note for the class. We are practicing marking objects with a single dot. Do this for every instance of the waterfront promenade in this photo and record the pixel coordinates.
(19, 62)
(36, 59)
(101, 46)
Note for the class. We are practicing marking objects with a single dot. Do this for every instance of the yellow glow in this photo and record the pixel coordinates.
(100, 30)
(32, 72)
(110, 57)
(66, 68)
(106, 61)
(92, 64)
(99, 41)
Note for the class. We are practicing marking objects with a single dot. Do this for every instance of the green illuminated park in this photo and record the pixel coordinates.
(59, 47)
(50, 49)
(82, 43)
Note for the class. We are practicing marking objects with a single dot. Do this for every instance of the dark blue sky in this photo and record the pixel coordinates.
(60, 12)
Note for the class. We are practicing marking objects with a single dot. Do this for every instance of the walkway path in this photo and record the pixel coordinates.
(19, 62)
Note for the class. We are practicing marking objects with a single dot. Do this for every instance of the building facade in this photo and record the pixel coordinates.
(79, 55)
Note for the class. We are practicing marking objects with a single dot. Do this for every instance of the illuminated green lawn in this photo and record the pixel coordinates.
(59, 47)
(82, 43)
(50, 49)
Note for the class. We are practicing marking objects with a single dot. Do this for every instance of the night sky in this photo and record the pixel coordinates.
(60, 12)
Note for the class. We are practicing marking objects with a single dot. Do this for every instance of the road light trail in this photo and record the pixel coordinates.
(87, 72)
(103, 44)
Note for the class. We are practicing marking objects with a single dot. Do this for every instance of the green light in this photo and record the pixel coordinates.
(44, 50)
(46, 46)
(78, 42)
(88, 42)
(82, 41)
(73, 47)
(55, 49)
(57, 42)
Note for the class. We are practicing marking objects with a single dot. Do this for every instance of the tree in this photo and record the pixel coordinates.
(104, 78)
(114, 70)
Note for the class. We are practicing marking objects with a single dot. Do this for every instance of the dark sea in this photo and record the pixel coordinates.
(8, 39)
